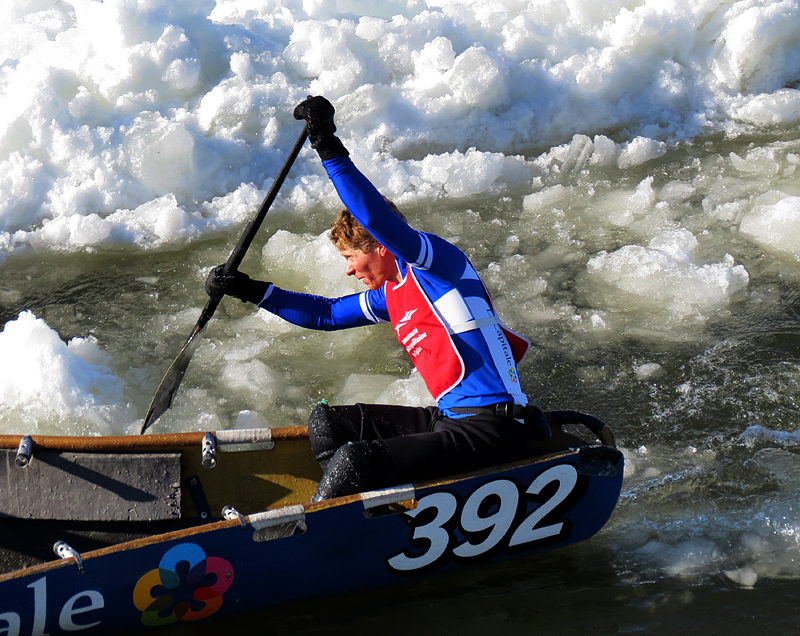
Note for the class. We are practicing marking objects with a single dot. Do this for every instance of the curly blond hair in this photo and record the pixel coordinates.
(348, 234)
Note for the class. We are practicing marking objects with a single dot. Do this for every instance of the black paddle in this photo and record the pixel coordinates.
(169, 385)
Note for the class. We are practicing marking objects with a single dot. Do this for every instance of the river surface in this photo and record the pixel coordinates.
(623, 175)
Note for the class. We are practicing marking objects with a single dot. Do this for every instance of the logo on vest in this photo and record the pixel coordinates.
(412, 340)
(404, 321)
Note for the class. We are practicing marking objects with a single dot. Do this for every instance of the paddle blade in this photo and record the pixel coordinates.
(172, 379)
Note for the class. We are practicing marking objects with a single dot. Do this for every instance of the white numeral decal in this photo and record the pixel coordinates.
(499, 521)
(486, 518)
(445, 505)
(567, 477)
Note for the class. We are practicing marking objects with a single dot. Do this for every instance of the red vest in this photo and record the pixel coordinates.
(426, 337)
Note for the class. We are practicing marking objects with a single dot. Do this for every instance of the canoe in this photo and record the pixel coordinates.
(116, 535)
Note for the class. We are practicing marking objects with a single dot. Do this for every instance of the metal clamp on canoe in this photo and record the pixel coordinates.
(209, 451)
(388, 501)
(229, 513)
(244, 439)
(235, 440)
(24, 451)
(64, 550)
(278, 524)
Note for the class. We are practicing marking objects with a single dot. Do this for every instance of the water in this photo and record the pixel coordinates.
(623, 175)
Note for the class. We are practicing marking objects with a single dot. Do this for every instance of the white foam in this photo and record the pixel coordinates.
(757, 433)
(755, 44)
(111, 106)
(307, 262)
(648, 371)
(774, 222)
(384, 389)
(252, 377)
(51, 381)
(664, 276)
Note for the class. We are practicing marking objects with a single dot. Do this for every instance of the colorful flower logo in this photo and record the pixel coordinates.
(513, 375)
(187, 582)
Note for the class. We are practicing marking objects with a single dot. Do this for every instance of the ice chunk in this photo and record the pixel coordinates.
(662, 275)
(43, 377)
(775, 225)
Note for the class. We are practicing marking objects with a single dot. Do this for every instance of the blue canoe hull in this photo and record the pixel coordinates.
(244, 564)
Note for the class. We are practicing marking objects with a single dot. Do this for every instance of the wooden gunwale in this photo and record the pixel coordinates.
(133, 443)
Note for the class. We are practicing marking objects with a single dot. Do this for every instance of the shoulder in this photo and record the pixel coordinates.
(441, 259)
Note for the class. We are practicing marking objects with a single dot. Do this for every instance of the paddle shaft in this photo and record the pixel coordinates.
(237, 255)
(249, 234)
(165, 394)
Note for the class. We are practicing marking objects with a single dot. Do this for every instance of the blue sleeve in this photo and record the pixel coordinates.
(325, 314)
(367, 205)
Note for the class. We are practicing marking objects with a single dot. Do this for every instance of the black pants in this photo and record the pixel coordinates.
(400, 444)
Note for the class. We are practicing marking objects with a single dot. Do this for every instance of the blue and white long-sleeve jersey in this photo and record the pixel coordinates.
(445, 276)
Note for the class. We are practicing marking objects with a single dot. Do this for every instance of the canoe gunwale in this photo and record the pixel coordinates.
(139, 443)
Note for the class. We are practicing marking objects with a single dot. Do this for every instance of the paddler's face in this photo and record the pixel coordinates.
(372, 268)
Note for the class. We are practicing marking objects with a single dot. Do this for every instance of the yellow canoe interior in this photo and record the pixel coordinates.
(248, 480)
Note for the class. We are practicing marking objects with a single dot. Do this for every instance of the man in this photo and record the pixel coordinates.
(441, 314)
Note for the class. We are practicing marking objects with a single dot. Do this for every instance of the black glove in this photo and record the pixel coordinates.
(318, 114)
(236, 284)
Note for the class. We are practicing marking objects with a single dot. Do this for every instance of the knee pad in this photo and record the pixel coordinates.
(320, 432)
(355, 467)
(319, 418)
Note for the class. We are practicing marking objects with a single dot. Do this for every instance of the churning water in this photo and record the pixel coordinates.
(624, 175)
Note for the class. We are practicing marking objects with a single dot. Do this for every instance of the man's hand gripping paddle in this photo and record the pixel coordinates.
(169, 385)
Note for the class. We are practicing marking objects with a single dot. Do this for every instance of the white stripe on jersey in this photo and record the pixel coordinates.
(475, 324)
(425, 258)
(452, 309)
(366, 309)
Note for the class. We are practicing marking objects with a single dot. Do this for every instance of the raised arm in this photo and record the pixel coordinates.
(368, 206)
